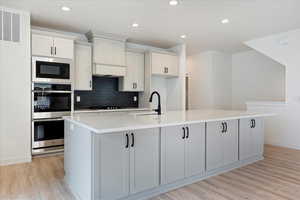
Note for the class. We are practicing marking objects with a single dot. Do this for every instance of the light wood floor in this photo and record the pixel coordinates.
(276, 177)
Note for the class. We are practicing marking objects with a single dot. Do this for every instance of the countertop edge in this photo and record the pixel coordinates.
(106, 131)
(113, 110)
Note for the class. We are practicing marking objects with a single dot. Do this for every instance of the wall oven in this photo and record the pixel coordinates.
(51, 100)
(48, 135)
(51, 70)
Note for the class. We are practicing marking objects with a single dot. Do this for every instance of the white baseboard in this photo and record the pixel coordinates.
(12, 161)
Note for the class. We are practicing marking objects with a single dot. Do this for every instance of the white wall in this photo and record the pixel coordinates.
(209, 80)
(15, 96)
(285, 48)
(256, 77)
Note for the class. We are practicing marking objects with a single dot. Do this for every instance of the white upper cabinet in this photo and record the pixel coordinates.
(134, 79)
(83, 66)
(43, 45)
(109, 52)
(164, 64)
(63, 48)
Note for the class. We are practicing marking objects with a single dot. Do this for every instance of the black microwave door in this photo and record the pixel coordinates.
(52, 70)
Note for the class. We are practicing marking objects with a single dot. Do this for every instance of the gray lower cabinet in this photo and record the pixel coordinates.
(128, 163)
(182, 152)
(251, 140)
(221, 143)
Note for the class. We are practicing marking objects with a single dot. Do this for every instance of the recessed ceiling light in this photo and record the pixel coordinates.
(65, 8)
(135, 25)
(183, 36)
(225, 21)
(173, 2)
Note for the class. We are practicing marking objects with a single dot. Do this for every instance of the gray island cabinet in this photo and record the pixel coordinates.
(130, 156)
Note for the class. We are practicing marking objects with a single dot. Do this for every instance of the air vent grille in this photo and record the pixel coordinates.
(9, 26)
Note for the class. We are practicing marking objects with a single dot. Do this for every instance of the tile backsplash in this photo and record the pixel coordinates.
(105, 93)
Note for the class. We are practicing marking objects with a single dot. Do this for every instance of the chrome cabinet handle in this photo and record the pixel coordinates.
(253, 124)
(134, 85)
(51, 50)
(183, 137)
(54, 50)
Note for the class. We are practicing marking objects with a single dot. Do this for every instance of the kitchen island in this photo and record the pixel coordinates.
(138, 155)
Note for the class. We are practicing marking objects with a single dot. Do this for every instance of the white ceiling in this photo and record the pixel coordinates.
(162, 25)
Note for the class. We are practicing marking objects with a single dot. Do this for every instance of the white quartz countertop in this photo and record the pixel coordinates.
(101, 122)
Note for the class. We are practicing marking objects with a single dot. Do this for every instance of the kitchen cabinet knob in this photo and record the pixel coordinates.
(183, 137)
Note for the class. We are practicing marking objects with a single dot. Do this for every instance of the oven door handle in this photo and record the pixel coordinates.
(48, 120)
(51, 91)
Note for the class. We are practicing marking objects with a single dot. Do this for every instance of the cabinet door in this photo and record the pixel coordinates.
(134, 79)
(214, 145)
(114, 166)
(158, 62)
(139, 72)
(258, 137)
(173, 65)
(144, 160)
(245, 139)
(83, 67)
(63, 48)
(164, 64)
(173, 147)
(109, 52)
(42, 45)
(195, 149)
(230, 140)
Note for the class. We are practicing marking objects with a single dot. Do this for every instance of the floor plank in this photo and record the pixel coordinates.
(277, 177)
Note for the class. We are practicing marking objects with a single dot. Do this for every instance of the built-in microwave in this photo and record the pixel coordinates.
(51, 70)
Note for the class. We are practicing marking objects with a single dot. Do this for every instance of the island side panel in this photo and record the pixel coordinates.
(78, 160)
